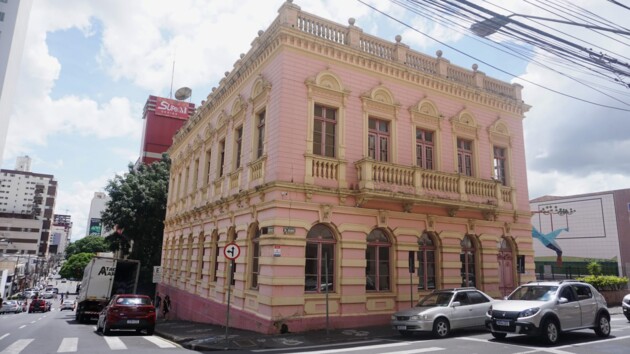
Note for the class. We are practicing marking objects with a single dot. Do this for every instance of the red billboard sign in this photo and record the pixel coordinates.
(171, 108)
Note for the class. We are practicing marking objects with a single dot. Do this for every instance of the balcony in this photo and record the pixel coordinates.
(375, 176)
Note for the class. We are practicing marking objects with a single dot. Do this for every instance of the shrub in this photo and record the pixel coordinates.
(606, 282)
(594, 268)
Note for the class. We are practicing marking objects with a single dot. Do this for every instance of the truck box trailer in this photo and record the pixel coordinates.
(102, 278)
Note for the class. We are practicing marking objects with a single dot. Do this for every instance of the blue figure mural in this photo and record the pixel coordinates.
(549, 240)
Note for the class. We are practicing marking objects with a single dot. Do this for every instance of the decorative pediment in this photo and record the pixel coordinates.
(426, 114)
(327, 86)
(208, 132)
(499, 133)
(464, 124)
(380, 100)
(261, 87)
(238, 106)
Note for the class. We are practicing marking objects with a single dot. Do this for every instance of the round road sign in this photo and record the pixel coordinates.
(231, 251)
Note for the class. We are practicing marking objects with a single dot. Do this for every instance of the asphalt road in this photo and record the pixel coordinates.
(58, 332)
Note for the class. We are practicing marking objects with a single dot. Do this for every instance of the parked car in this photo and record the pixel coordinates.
(127, 311)
(38, 305)
(548, 308)
(48, 294)
(625, 304)
(444, 310)
(10, 306)
(67, 305)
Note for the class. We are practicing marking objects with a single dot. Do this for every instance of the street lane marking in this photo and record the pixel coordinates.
(316, 346)
(354, 349)
(33, 321)
(115, 343)
(6, 335)
(423, 350)
(22, 326)
(17, 346)
(68, 345)
(159, 342)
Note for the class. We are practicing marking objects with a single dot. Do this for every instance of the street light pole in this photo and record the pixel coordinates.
(493, 24)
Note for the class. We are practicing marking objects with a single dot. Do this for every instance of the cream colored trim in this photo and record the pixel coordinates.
(426, 116)
(379, 103)
(326, 89)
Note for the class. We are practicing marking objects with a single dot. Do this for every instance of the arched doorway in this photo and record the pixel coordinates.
(506, 267)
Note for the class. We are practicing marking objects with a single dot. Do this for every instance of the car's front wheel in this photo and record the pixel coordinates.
(550, 332)
(602, 325)
(441, 328)
(106, 330)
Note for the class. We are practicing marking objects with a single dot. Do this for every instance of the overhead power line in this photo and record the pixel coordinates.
(486, 63)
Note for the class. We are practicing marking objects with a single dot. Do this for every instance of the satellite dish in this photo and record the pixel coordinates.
(183, 93)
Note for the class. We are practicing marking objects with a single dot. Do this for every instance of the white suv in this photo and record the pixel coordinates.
(549, 308)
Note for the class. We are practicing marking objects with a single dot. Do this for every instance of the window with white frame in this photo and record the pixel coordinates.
(378, 139)
(465, 157)
(324, 130)
(260, 133)
(425, 148)
(500, 164)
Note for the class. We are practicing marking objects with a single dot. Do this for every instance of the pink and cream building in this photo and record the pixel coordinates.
(331, 157)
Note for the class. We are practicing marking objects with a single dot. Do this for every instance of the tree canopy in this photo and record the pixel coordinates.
(136, 213)
(88, 244)
(74, 266)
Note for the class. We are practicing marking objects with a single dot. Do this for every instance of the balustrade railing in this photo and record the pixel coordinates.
(353, 36)
(387, 176)
(325, 168)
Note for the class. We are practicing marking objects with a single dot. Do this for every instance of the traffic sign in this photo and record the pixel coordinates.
(231, 251)
(157, 274)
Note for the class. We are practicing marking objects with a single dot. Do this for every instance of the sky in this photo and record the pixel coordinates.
(89, 65)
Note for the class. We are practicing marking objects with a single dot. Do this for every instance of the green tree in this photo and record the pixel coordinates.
(74, 266)
(88, 244)
(136, 212)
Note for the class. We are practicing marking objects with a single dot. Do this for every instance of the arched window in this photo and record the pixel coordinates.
(467, 257)
(426, 262)
(255, 247)
(201, 255)
(215, 247)
(319, 270)
(377, 261)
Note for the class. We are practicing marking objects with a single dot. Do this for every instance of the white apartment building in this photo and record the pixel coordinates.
(60, 234)
(27, 201)
(14, 16)
(97, 206)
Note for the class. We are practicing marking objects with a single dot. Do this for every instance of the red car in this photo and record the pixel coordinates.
(38, 305)
(127, 311)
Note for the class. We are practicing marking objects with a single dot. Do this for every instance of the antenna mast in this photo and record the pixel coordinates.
(170, 95)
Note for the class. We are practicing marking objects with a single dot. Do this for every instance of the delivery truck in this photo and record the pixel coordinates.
(102, 278)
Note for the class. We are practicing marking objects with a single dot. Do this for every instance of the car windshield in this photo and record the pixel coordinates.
(133, 301)
(436, 299)
(534, 293)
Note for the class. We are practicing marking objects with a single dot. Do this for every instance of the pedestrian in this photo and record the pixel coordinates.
(166, 307)
(158, 302)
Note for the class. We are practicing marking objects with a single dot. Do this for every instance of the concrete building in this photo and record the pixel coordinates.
(329, 163)
(97, 206)
(27, 201)
(14, 15)
(23, 163)
(162, 118)
(595, 226)
(61, 233)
